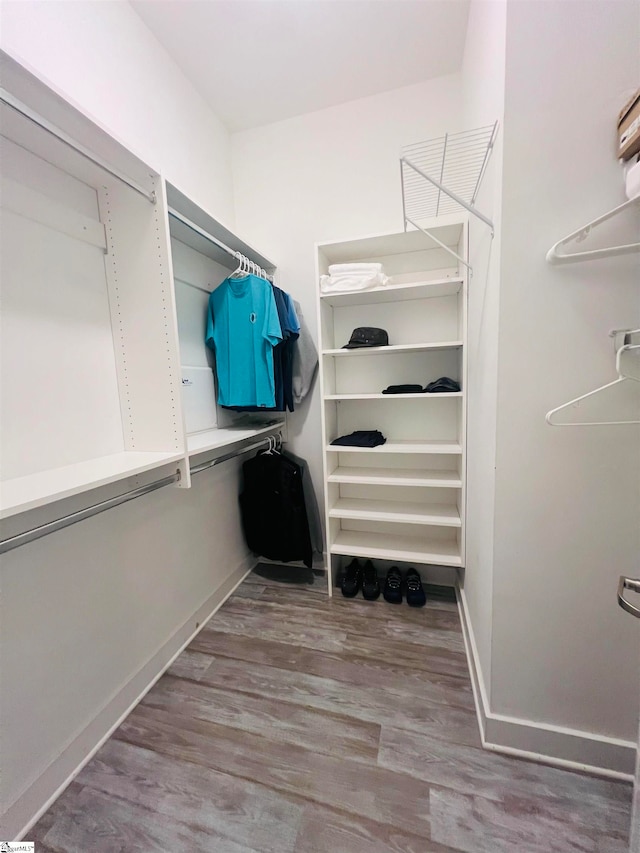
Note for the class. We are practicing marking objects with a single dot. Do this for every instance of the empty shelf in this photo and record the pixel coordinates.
(410, 549)
(210, 439)
(396, 348)
(445, 447)
(24, 493)
(396, 292)
(418, 396)
(396, 511)
(396, 477)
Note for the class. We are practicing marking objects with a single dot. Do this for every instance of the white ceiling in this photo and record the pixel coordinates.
(258, 61)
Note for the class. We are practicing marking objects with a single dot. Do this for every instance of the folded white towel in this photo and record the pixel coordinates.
(350, 269)
(345, 283)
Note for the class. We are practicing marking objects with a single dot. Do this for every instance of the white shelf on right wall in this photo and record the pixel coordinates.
(404, 500)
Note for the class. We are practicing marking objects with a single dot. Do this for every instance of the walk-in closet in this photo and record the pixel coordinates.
(320, 426)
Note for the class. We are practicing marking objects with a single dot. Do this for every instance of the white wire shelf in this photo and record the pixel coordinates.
(456, 161)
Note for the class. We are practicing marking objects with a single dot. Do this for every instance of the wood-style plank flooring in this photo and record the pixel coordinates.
(296, 724)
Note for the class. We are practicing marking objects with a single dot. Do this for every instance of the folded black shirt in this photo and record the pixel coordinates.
(403, 389)
(361, 438)
(442, 386)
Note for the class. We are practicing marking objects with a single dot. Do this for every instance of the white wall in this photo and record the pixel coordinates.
(567, 500)
(329, 175)
(105, 60)
(90, 615)
(483, 78)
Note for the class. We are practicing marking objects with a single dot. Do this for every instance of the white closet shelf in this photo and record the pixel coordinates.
(402, 512)
(395, 348)
(418, 396)
(395, 292)
(35, 490)
(403, 446)
(410, 549)
(211, 439)
(396, 477)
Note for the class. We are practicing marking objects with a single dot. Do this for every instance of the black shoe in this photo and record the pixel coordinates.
(415, 592)
(352, 579)
(393, 586)
(370, 582)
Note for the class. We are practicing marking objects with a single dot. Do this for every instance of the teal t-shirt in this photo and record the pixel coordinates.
(242, 329)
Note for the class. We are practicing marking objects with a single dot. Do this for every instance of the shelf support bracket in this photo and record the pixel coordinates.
(450, 193)
(440, 243)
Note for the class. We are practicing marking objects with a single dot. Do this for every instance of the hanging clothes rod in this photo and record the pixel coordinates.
(17, 105)
(256, 446)
(202, 233)
(88, 512)
(82, 514)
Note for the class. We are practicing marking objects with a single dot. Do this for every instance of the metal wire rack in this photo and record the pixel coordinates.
(443, 174)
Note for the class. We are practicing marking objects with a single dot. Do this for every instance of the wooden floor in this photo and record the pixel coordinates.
(295, 723)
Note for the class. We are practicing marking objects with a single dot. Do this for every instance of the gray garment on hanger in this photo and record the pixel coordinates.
(305, 359)
(310, 502)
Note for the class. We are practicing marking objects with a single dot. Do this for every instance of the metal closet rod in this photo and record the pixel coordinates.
(17, 105)
(218, 459)
(88, 512)
(196, 228)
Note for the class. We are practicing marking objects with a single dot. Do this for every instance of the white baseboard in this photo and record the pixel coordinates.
(478, 687)
(34, 802)
(548, 744)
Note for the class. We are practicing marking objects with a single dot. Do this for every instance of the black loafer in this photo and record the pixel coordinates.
(415, 592)
(393, 586)
(351, 579)
(370, 582)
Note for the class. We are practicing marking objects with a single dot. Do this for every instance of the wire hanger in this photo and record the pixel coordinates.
(554, 256)
(621, 395)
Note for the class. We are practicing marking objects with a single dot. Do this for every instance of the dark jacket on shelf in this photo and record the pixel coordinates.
(272, 504)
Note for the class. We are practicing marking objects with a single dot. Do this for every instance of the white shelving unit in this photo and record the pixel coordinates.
(105, 374)
(90, 375)
(404, 501)
(199, 265)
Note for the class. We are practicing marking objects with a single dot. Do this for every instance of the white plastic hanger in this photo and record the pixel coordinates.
(239, 271)
(621, 395)
(245, 266)
(554, 256)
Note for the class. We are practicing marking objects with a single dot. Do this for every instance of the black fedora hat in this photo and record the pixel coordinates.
(367, 336)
